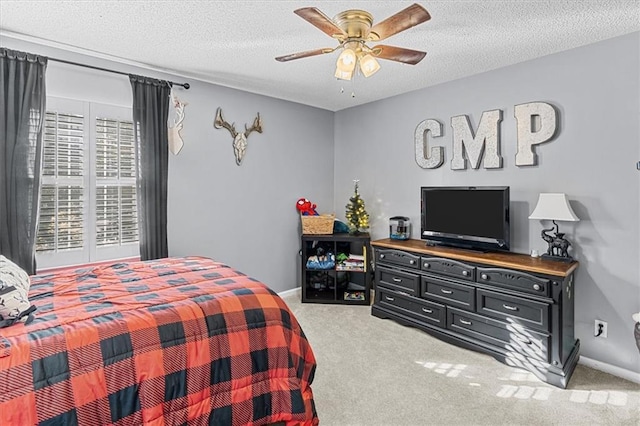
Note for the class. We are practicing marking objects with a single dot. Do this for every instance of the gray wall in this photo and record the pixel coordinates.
(243, 215)
(596, 90)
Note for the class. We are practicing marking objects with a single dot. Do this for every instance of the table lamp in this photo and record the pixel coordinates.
(555, 206)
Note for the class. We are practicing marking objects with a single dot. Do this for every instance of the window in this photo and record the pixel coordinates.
(88, 208)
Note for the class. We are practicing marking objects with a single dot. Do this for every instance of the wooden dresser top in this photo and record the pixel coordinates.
(522, 262)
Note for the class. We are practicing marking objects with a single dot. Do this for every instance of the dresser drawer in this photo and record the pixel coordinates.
(517, 310)
(498, 333)
(448, 292)
(424, 310)
(398, 280)
(452, 268)
(397, 257)
(514, 280)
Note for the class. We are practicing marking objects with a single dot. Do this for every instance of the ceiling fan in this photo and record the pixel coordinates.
(353, 29)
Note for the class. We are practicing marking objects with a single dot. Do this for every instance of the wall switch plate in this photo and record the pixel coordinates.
(600, 329)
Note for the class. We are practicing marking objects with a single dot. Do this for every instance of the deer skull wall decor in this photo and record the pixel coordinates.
(239, 139)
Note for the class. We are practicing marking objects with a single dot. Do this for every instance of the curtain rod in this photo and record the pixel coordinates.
(185, 85)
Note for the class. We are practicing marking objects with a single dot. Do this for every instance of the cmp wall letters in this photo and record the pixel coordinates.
(536, 123)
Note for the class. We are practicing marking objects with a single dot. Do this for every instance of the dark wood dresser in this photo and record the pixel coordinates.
(517, 308)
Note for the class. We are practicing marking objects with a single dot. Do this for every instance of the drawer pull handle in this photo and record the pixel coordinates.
(536, 287)
(428, 311)
(510, 308)
(465, 273)
(412, 262)
(426, 265)
(397, 280)
(446, 291)
(382, 256)
(465, 322)
(485, 276)
(390, 299)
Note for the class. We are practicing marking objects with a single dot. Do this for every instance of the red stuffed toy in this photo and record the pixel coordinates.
(306, 207)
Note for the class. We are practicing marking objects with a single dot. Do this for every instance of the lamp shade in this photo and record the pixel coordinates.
(368, 65)
(554, 206)
(346, 60)
(343, 75)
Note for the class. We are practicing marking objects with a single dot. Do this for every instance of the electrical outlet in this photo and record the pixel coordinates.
(600, 329)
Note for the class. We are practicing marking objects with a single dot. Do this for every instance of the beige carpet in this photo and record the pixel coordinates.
(376, 372)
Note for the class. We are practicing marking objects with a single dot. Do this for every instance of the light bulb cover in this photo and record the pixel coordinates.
(368, 65)
(343, 75)
(346, 60)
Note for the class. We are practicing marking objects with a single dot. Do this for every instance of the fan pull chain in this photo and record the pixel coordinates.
(352, 82)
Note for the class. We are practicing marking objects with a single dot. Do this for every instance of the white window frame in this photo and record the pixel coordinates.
(89, 253)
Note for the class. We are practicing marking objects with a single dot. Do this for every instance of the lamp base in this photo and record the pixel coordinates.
(558, 245)
(568, 259)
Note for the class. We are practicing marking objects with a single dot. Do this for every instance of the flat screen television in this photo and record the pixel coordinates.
(472, 217)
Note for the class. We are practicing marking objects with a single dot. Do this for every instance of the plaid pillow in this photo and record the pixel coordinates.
(14, 292)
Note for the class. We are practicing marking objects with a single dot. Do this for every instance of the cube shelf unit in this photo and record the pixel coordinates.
(347, 282)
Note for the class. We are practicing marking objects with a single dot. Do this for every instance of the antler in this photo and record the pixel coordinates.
(220, 122)
(256, 126)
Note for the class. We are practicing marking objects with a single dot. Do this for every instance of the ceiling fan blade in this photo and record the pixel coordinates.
(398, 54)
(321, 21)
(305, 54)
(405, 19)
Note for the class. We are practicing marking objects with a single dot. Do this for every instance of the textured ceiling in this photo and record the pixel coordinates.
(234, 43)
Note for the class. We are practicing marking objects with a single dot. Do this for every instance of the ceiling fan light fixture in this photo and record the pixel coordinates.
(369, 65)
(353, 29)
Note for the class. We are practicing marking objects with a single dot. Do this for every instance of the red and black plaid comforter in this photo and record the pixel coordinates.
(166, 342)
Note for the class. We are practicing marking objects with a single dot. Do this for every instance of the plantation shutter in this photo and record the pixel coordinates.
(116, 212)
(61, 204)
(87, 210)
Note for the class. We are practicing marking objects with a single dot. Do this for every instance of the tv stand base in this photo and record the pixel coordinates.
(457, 247)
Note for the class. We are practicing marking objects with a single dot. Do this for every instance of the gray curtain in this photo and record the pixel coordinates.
(150, 114)
(22, 113)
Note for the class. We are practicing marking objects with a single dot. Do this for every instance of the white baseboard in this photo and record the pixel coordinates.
(632, 376)
(289, 292)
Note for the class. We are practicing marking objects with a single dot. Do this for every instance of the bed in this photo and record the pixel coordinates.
(166, 342)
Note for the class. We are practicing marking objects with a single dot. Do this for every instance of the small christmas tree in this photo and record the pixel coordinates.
(356, 214)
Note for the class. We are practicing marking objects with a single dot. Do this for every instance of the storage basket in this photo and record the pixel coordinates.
(322, 224)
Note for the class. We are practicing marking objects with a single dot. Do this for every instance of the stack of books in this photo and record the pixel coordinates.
(355, 262)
